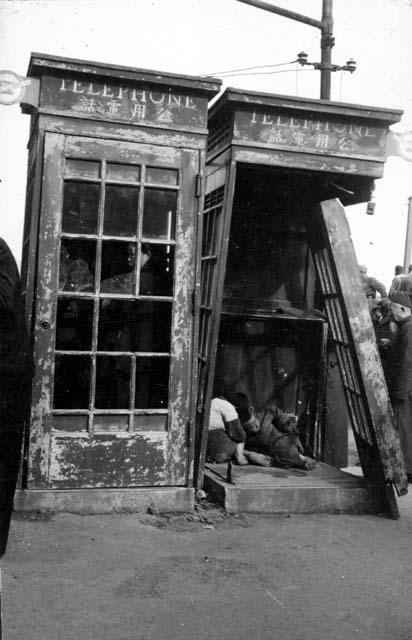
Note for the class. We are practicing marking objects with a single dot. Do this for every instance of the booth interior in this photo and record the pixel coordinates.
(273, 341)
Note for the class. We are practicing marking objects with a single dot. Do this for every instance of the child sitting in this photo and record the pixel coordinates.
(226, 436)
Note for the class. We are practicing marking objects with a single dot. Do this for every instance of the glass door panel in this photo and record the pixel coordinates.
(80, 207)
(115, 366)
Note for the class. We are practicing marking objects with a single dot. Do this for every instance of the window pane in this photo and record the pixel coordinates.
(77, 263)
(70, 423)
(156, 270)
(120, 211)
(80, 207)
(110, 423)
(71, 382)
(134, 325)
(159, 214)
(118, 263)
(82, 168)
(150, 423)
(162, 176)
(112, 382)
(152, 383)
(74, 324)
(125, 172)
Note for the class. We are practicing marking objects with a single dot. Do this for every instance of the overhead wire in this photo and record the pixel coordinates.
(262, 73)
(264, 66)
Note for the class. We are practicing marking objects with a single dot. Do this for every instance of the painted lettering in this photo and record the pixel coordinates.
(90, 91)
(280, 123)
(369, 133)
(341, 128)
(63, 85)
(77, 87)
(122, 91)
(353, 128)
(174, 99)
(106, 92)
(189, 104)
(138, 95)
(160, 100)
(267, 119)
(139, 111)
(253, 120)
(293, 125)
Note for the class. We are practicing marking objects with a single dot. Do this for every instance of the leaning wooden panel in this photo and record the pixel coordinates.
(353, 334)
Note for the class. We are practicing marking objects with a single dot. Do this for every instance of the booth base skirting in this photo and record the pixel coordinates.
(324, 489)
(104, 501)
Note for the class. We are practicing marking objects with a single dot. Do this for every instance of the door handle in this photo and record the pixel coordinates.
(45, 324)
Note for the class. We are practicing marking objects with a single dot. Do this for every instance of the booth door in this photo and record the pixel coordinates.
(112, 341)
(353, 337)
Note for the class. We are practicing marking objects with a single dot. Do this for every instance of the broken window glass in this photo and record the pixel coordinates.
(77, 265)
(118, 267)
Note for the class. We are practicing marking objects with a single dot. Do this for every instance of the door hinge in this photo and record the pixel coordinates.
(199, 186)
(194, 302)
(188, 433)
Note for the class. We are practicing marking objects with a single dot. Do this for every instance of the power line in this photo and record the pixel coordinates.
(264, 66)
(262, 73)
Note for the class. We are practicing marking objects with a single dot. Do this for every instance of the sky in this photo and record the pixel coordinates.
(209, 36)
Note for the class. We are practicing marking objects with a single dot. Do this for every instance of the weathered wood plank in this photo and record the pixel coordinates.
(107, 461)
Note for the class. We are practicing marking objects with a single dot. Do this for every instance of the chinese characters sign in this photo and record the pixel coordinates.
(314, 133)
(130, 102)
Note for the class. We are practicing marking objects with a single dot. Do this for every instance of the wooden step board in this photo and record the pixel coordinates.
(325, 489)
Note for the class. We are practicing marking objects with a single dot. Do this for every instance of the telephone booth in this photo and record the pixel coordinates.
(116, 156)
(281, 299)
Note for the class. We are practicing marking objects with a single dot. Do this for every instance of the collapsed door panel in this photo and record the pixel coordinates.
(352, 331)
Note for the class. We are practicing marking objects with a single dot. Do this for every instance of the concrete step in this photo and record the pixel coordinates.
(325, 489)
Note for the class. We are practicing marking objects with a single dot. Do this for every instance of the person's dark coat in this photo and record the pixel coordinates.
(398, 372)
(15, 376)
(399, 363)
(15, 363)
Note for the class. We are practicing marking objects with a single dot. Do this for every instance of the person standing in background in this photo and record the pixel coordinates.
(371, 285)
(398, 371)
(16, 371)
(399, 282)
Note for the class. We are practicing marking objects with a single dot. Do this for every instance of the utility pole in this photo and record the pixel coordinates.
(327, 43)
(408, 239)
(325, 26)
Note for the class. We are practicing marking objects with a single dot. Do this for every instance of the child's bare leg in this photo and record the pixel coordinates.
(259, 459)
(239, 454)
(307, 463)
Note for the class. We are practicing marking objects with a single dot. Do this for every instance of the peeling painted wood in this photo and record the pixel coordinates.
(378, 430)
(90, 111)
(166, 463)
(182, 329)
(60, 123)
(307, 161)
(107, 461)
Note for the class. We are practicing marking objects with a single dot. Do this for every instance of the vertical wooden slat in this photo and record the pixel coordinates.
(358, 358)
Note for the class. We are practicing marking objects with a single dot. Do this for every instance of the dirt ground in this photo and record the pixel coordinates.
(208, 575)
